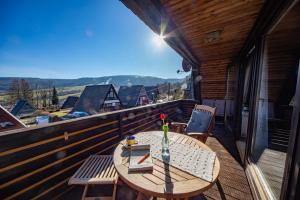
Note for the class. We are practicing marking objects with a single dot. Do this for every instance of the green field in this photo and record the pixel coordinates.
(71, 91)
(63, 93)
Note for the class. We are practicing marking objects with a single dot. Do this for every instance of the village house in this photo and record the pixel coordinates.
(69, 102)
(152, 92)
(132, 96)
(8, 121)
(23, 109)
(98, 98)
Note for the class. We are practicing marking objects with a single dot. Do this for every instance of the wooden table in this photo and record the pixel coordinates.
(164, 181)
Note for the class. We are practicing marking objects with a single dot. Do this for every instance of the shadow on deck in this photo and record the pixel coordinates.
(232, 182)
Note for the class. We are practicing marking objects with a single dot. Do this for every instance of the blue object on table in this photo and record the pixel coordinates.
(130, 137)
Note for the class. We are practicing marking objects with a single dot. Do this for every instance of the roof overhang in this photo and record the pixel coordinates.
(153, 14)
(200, 31)
(210, 35)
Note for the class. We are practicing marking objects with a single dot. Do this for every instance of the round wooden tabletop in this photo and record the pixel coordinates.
(164, 181)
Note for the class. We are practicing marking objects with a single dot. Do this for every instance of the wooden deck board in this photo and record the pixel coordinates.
(271, 163)
(233, 183)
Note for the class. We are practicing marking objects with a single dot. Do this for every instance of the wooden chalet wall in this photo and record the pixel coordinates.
(213, 84)
(232, 82)
(37, 162)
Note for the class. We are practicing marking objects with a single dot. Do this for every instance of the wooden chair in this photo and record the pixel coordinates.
(181, 127)
(96, 170)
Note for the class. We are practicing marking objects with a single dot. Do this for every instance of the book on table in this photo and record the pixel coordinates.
(140, 159)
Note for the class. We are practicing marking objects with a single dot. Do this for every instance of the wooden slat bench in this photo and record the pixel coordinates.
(96, 170)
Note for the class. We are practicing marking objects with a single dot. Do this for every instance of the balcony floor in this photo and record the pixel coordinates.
(232, 182)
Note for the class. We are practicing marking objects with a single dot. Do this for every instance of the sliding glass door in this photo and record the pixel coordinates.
(274, 104)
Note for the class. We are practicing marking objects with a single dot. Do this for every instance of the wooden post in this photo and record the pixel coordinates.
(121, 125)
(168, 91)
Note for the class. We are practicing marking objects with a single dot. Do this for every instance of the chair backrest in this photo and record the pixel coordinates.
(211, 111)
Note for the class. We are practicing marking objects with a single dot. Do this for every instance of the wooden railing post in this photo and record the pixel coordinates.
(121, 114)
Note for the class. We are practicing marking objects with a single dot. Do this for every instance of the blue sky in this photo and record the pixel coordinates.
(79, 38)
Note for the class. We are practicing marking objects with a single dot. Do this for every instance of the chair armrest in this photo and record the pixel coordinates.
(178, 127)
(195, 133)
(178, 124)
(199, 136)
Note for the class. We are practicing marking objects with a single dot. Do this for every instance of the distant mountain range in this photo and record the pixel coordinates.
(116, 80)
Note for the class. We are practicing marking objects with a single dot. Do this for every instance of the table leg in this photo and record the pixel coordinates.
(139, 196)
(114, 191)
(143, 196)
(84, 192)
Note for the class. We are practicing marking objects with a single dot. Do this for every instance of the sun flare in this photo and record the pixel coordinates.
(158, 40)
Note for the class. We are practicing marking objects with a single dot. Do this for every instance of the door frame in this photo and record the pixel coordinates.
(291, 170)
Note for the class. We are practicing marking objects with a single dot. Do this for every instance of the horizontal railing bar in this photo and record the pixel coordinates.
(65, 180)
(62, 193)
(54, 139)
(18, 149)
(61, 160)
(132, 119)
(44, 180)
(142, 125)
(54, 163)
(169, 106)
(53, 175)
(52, 188)
(50, 177)
(79, 120)
(98, 153)
(54, 151)
(128, 124)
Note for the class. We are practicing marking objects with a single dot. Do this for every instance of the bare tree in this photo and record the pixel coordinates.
(14, 91)
(37, 95)
(20, 89)
(49, 93)
(44, 97)
(26, 90)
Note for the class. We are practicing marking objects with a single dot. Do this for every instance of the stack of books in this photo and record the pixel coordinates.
(140, 158)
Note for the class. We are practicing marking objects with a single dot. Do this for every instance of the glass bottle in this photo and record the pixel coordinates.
(165, 141)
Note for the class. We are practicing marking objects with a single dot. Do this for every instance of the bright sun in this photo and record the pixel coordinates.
(158, 40)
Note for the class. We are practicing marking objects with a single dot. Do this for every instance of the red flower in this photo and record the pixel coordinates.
(162, 116)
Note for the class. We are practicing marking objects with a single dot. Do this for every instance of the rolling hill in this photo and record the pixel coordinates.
(116, 80)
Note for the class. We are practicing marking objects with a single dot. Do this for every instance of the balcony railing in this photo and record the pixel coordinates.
(37, 162)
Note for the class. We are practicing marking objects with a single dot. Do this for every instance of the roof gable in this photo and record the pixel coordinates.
(152, 92)
(151, 89)
(92, 98)
(129, 95)
(70, 102)
(8, 121)
(22, 107)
